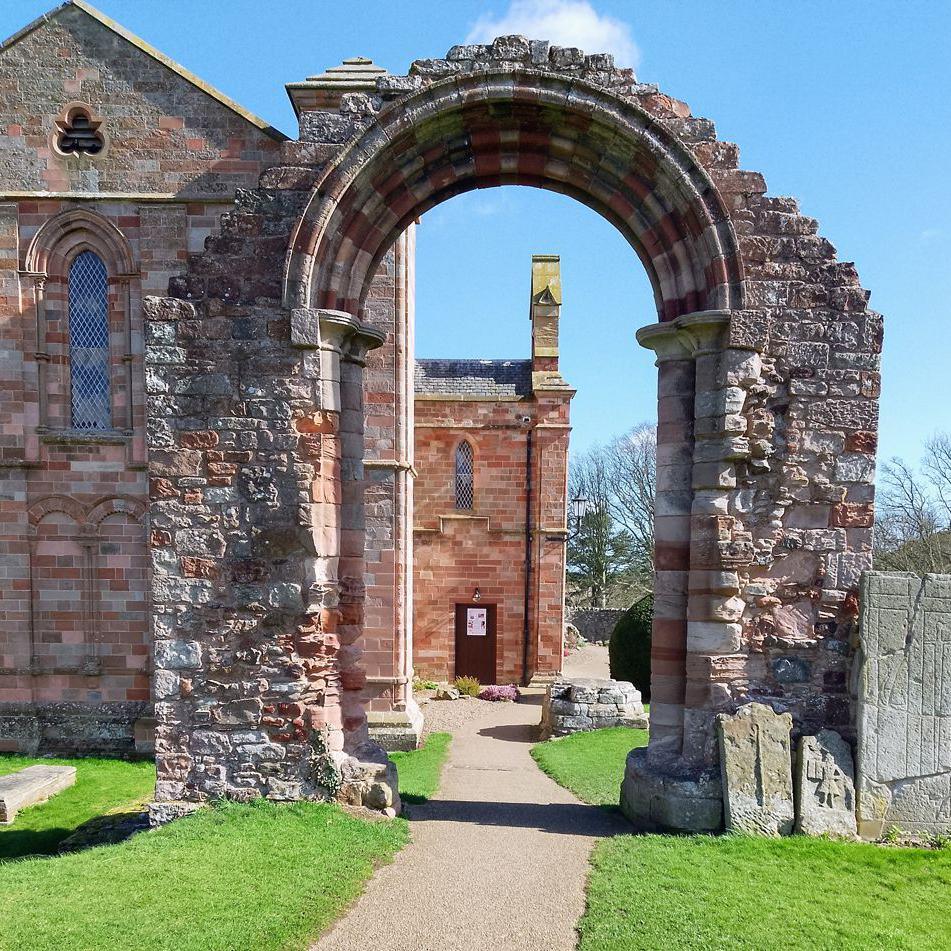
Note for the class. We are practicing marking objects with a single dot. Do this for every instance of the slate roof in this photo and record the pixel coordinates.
(468, 378)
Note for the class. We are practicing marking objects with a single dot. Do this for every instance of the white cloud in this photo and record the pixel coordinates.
(564, 23)
(930, 234)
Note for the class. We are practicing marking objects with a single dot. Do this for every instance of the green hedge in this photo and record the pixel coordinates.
(629, 649)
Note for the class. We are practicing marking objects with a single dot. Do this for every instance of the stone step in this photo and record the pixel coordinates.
(31, 785)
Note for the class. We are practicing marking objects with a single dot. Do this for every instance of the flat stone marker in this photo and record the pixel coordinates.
(903, 754)
(31, 785)
(825, 786)
(756, 766)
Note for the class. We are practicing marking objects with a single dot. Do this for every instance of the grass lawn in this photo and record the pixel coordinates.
(736, 893)
(590, 764)
(420, 770)
(102, 785)
(258, 877)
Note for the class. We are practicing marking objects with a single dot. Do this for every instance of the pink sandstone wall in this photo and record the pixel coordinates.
(75, 649)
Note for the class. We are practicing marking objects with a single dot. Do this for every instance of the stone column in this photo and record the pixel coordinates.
(675, 389)
(337, 591)
(394, 716)
(42, 352)
(719, 542)
(697, 632)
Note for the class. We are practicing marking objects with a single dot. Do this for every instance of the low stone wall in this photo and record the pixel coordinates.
(595, 624)
(572, 706)
(73, 728)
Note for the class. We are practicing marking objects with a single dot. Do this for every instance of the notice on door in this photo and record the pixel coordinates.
(476, 623)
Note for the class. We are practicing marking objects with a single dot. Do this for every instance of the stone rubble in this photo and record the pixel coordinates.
(572, 706)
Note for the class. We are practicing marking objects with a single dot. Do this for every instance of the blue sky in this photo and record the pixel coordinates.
(846, 105)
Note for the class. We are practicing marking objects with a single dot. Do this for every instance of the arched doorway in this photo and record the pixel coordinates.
(767, 360)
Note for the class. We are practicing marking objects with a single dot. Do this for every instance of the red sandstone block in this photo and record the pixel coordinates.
(849, 514)
(862, 441)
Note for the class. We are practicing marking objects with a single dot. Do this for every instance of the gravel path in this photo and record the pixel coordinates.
(499, 857)
(590, 661)
(448, 716)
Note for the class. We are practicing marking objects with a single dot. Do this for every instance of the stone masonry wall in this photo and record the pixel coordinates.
(456, 552)
(75, 648)
(595, 624)
(768, 384)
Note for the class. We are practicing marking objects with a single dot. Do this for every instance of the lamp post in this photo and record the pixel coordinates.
(577, 509)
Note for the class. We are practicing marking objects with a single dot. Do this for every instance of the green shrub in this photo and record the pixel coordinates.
(629, 649)
(467, 686)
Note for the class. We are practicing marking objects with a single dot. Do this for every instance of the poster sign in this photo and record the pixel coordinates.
(476, 623)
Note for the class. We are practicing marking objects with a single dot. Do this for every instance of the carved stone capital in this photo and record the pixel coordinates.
(318, 329)
(688, 336)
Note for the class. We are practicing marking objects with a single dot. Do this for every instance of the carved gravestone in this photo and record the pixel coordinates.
(825, 786)
(756, 768)
(904, 704)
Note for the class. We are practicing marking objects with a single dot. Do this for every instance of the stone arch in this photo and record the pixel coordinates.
(63, 236)
(112, 506)
(767, 361)
(519, 128)
(57, 503)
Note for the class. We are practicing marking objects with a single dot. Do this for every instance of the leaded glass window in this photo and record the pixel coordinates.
(464, 493)
(89, 342)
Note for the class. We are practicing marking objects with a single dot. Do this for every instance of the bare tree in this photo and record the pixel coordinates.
(632, 481)
(610, 556)
(913, 521)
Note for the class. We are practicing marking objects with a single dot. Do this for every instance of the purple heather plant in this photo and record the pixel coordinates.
(507, 692)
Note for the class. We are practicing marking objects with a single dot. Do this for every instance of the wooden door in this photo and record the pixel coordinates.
(476, 642)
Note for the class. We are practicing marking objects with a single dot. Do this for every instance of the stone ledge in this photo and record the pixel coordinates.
(32, 785)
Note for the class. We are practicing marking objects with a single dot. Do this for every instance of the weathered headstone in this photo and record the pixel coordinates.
(27, 787)
(756, 768)
(825, 786)
(904, 709)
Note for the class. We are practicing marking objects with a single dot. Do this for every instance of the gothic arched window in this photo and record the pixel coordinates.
(464, 491)
(89, 343)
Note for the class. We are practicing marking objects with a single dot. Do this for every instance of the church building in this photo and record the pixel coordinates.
(118, 168)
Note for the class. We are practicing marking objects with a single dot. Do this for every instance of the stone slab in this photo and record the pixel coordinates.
(904, 704)
(30, 786)
(756, 770)
(825, 786)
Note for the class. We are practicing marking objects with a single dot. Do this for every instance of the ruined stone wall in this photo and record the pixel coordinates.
(768, 384)
(75, 652)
